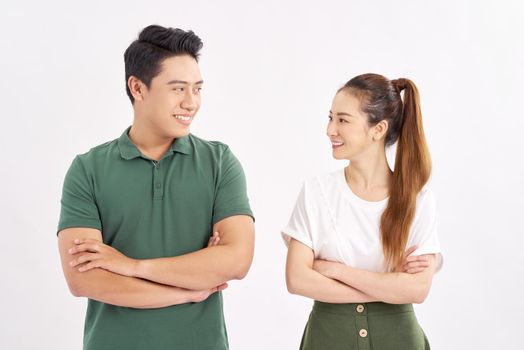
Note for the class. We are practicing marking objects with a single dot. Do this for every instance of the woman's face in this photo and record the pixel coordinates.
(348, 127)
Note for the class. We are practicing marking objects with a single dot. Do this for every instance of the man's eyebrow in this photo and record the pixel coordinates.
(183, 82)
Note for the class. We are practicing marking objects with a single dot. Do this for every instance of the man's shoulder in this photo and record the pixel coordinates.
(202, 145)
(100, 151)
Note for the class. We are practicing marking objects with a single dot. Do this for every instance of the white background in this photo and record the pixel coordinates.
(271, 69)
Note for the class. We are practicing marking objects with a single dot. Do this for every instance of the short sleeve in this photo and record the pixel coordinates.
(231, 193)
(424, 232)
(78, 206)
(299, 226)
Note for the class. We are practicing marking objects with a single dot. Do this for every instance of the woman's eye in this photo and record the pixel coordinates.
(342, 121)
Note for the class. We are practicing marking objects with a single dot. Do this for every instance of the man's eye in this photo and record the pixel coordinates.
(342, 121)
(179, 89)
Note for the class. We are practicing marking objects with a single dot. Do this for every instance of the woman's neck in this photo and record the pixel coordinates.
(369, 175)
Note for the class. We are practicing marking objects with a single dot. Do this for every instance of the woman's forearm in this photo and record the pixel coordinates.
(389, 287)
(303, 280)
(312, 284)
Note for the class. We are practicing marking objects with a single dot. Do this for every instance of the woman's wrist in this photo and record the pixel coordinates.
(338, 270)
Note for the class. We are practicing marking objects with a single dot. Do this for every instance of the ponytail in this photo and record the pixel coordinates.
(381, 100)
(412, 171)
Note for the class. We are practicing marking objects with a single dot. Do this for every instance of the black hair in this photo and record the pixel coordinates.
(143, 58)
(380, 99)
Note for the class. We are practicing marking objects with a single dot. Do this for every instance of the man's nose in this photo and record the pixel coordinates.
(190, 101)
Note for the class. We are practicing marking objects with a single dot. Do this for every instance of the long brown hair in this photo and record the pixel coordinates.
(381, 99)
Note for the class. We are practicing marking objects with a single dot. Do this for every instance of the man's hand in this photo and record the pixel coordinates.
(196, 296)
(214, 239)
(95, 254)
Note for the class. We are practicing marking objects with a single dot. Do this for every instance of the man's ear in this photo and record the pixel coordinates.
(136, 87)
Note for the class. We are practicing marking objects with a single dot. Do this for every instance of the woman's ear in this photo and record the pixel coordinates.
(380, 130)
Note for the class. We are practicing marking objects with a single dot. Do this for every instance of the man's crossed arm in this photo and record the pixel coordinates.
(98, 271)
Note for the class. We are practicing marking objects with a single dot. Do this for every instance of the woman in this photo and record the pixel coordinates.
(349, 232)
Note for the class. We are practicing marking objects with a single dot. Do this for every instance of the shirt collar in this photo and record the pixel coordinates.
(128, 150)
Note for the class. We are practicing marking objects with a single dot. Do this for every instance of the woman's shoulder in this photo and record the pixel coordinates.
(425, 194)
(324, 182)
(324, 188)
(326, 179)
(426, 204)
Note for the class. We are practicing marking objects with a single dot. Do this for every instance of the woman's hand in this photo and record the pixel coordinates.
(327, 268)
(95, 254)
(410, 264)
(414, 264)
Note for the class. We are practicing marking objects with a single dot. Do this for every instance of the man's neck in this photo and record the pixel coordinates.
(149, 143)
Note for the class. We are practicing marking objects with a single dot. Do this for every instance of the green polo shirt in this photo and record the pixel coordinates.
(148, 209)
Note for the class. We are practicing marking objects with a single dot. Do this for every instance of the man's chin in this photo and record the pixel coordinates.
(176, 134)
(179, 136)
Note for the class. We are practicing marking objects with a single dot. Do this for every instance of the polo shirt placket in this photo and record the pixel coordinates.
(158, 188)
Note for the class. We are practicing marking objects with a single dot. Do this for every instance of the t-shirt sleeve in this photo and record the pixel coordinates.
(78, 206)
(424, 231)
(231, 193)
(299, 226)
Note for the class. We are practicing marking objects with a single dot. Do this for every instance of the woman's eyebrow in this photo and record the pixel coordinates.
(343, 113)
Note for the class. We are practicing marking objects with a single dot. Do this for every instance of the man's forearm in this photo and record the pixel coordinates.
(204, 269)
(198, 270)
(111, 288)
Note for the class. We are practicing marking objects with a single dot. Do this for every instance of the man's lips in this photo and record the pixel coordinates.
(184, 119)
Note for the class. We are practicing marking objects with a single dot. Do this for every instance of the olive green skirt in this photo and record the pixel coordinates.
(366, 326)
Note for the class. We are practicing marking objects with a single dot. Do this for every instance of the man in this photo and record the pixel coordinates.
(137, 213)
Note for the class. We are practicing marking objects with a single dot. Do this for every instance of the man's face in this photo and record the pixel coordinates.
(173, 97)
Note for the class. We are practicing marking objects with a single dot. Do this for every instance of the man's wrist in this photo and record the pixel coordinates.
(139, 267)
(184, 295)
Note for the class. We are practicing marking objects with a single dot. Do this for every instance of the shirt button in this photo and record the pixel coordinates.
(157, 185)
(360, 308)
(363, 333)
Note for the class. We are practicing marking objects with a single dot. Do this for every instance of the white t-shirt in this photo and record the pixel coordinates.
(340, 226)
